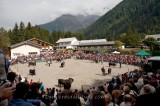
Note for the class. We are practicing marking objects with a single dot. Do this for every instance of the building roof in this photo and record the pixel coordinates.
(154, 36)
(94, 42)
(25, 43)
(66, 39)
(39, 40)
(90, 41)
(97, 43)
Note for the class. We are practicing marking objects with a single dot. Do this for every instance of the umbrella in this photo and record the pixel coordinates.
(142, 53)
(115, 52)
(155, 58)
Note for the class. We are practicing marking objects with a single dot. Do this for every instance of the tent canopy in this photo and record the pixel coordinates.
(115, 52)
(155, 58)
(142, 53)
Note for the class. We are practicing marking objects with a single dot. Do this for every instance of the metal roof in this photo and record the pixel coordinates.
(91, 42)
(66, 39)
(97, 43)
(154, 36)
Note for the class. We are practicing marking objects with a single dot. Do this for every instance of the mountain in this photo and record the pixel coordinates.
(142, 15)
(69, 22)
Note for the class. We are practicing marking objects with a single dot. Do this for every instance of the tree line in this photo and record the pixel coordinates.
(22, 33)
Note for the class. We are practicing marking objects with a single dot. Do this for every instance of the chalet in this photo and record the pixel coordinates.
(65, 43)
(30, 47)
(24, 48)
(45, 46)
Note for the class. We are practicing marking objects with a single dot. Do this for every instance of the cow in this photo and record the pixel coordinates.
(65, 81)
(32, 72)
(103, 70)
(112, 64)
(62, 64)
(32, 63)
(109, 71)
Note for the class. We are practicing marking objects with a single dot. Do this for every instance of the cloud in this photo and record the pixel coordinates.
(43, 11)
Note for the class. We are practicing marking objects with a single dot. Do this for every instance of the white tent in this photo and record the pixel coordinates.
(155, 58)
(115, 52)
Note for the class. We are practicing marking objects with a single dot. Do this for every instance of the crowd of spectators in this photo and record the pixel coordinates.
(134, 88)
(117, 58)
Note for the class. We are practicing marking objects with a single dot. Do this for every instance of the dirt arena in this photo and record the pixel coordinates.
(85, 73)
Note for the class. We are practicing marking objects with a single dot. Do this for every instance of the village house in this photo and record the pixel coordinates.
(30, 47)
(65, 43)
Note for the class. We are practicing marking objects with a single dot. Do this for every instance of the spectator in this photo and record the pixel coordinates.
(3, 74)
(98, 99)
(127, 101)
(41, 87)
(11, 77)
(147, 98)
(34, 96)
(19, 95)
(31, 81)
(26, 80)
(6, 92)
(109, 102)
(19, 78)
(66, 97)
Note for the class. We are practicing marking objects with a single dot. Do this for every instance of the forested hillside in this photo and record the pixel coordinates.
(70, 23)
(142, 15)
(21, 33)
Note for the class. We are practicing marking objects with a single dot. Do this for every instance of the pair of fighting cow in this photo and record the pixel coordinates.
(65, 82)
(103, 71)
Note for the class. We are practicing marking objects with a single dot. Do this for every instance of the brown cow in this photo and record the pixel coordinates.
(33, 63)
(109, 71)
(65, 81)
(32, 72)
(103, 70)
(112, 64)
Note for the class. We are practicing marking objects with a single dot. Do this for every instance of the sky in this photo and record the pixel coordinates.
(43, 11)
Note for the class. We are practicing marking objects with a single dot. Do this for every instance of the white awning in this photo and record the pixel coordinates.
(155, 58)
(115, 52)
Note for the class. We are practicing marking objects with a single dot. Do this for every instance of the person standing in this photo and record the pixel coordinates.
(4, 65)
(19, 78)
(101, 59)
(18, 98)
(120, 64)
(31, 81)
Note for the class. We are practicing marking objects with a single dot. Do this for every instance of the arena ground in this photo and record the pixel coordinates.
(85, 73)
